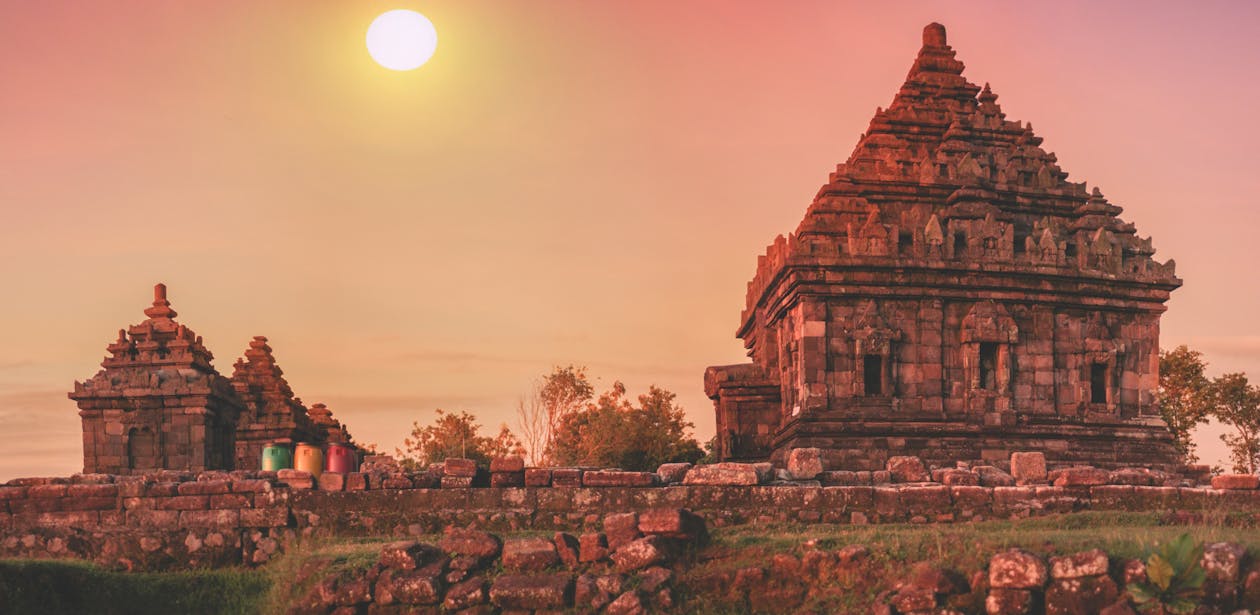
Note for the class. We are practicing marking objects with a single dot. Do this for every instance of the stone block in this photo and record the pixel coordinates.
(1236, 482)
(459, 467)
(907, 469)
(1008, 602)
(229, 500)
(470, 542)
(1072, 596)
(507, 479)
(410, 586)
(210, 518)
(592, 547)
(92, 490)
(670, 473)
(507, 464)
(465, 594)
(1028, 468)
(805, 463)
(621, 528)
(1017, 569)
(734, 474)
(356, 481)
(184, 502)
(1080, 476)
(206, 487)
(616, 478)
(538, 477)
(550, 591)
(1085, 564)
(566, 477)
(677, 523)
(568, 548)
(408, 555)
(332, 481)
(457, 482)
(644, 552)
(529, 554)
(271, 516)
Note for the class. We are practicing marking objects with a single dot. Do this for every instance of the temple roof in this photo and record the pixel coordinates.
(159, 341)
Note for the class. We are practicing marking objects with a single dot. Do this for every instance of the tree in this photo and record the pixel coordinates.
(1183, 396)
(455, 435)
(613, 432)
(1236, 403)
(564, 391)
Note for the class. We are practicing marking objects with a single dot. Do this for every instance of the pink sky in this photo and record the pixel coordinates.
(565, 182)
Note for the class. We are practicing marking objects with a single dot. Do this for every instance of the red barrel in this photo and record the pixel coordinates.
(340, 458)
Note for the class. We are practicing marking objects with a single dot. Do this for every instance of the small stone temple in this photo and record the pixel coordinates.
(950, 294)
(159, 403)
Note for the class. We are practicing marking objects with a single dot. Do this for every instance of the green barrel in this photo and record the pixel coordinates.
(277, 457)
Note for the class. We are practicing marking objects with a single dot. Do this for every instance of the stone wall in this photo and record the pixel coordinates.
(171, 519)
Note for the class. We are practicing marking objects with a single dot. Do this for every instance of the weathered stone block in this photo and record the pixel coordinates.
(332, 481)
(465, 594)
(621, 528)
(1076, 595)
(566, 477)
(805, 463)
(1080, 477)
(470, 542)
(1017, 569)
(568, 548)
(907, 469)
(529, 554)
(1085, 564)
(614, 478)
(459, 467)
(670, 473)
(592, 547)
(1028, 468)
(551, 591)
(1008, 602)
(538, 477)
(677, 523)
(1236, 481)
(723, 474)
(408, 555)
(641, 553)
(507, 464)
(507, 479)
(415, 586)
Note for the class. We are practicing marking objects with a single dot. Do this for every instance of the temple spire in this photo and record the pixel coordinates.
(934, 35)
(161, 307)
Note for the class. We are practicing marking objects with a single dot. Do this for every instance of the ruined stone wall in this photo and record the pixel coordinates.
(173, 519)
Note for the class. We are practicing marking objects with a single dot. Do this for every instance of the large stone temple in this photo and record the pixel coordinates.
(159, 403)
(951, 295)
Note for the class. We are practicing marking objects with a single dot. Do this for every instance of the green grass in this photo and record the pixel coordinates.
(62, 586)
(59, 586)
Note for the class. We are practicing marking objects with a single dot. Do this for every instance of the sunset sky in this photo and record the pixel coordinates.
(564, 182)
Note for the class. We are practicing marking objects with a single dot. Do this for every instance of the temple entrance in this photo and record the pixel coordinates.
(988, 366)
(873, 375)
(1098, 383)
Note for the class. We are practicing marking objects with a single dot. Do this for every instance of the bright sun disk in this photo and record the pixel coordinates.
(401, 39)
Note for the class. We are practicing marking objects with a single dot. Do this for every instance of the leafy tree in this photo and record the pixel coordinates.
(614, 432)
(1236, 403)
(455, 435)
(1183, 396)
(561, 393)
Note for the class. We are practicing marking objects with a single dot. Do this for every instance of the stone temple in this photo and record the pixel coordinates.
(951, 295)
(158, 403)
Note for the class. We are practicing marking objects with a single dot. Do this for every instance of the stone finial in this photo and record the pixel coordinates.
(161, 307)
(934, 35)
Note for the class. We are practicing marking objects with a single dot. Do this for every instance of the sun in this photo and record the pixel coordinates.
(401, 39)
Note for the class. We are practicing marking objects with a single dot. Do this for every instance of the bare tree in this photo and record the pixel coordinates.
(539, 415)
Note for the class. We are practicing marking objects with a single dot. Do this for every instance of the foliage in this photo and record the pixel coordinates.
(614, 432)
(1183, 396)
(1175, 578)
(1236, 403)
(455, 435)
(564, 391)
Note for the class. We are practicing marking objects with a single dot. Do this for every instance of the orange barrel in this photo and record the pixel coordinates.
(277, 456)
(310, 458)
(340, 458)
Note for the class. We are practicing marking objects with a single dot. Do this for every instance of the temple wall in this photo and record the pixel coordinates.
(174, 520)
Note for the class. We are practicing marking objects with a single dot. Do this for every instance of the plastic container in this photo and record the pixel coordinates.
(310, 458)
(340, 458)
(277, 457)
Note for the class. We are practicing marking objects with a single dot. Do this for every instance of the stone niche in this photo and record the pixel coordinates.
(950, 294)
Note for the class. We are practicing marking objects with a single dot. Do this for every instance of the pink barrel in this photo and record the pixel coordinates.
(340, 458)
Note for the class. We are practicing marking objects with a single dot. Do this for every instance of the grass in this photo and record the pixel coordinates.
(62, 586)
(72, 587)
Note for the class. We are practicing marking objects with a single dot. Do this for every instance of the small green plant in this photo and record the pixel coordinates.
(1175, 578)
